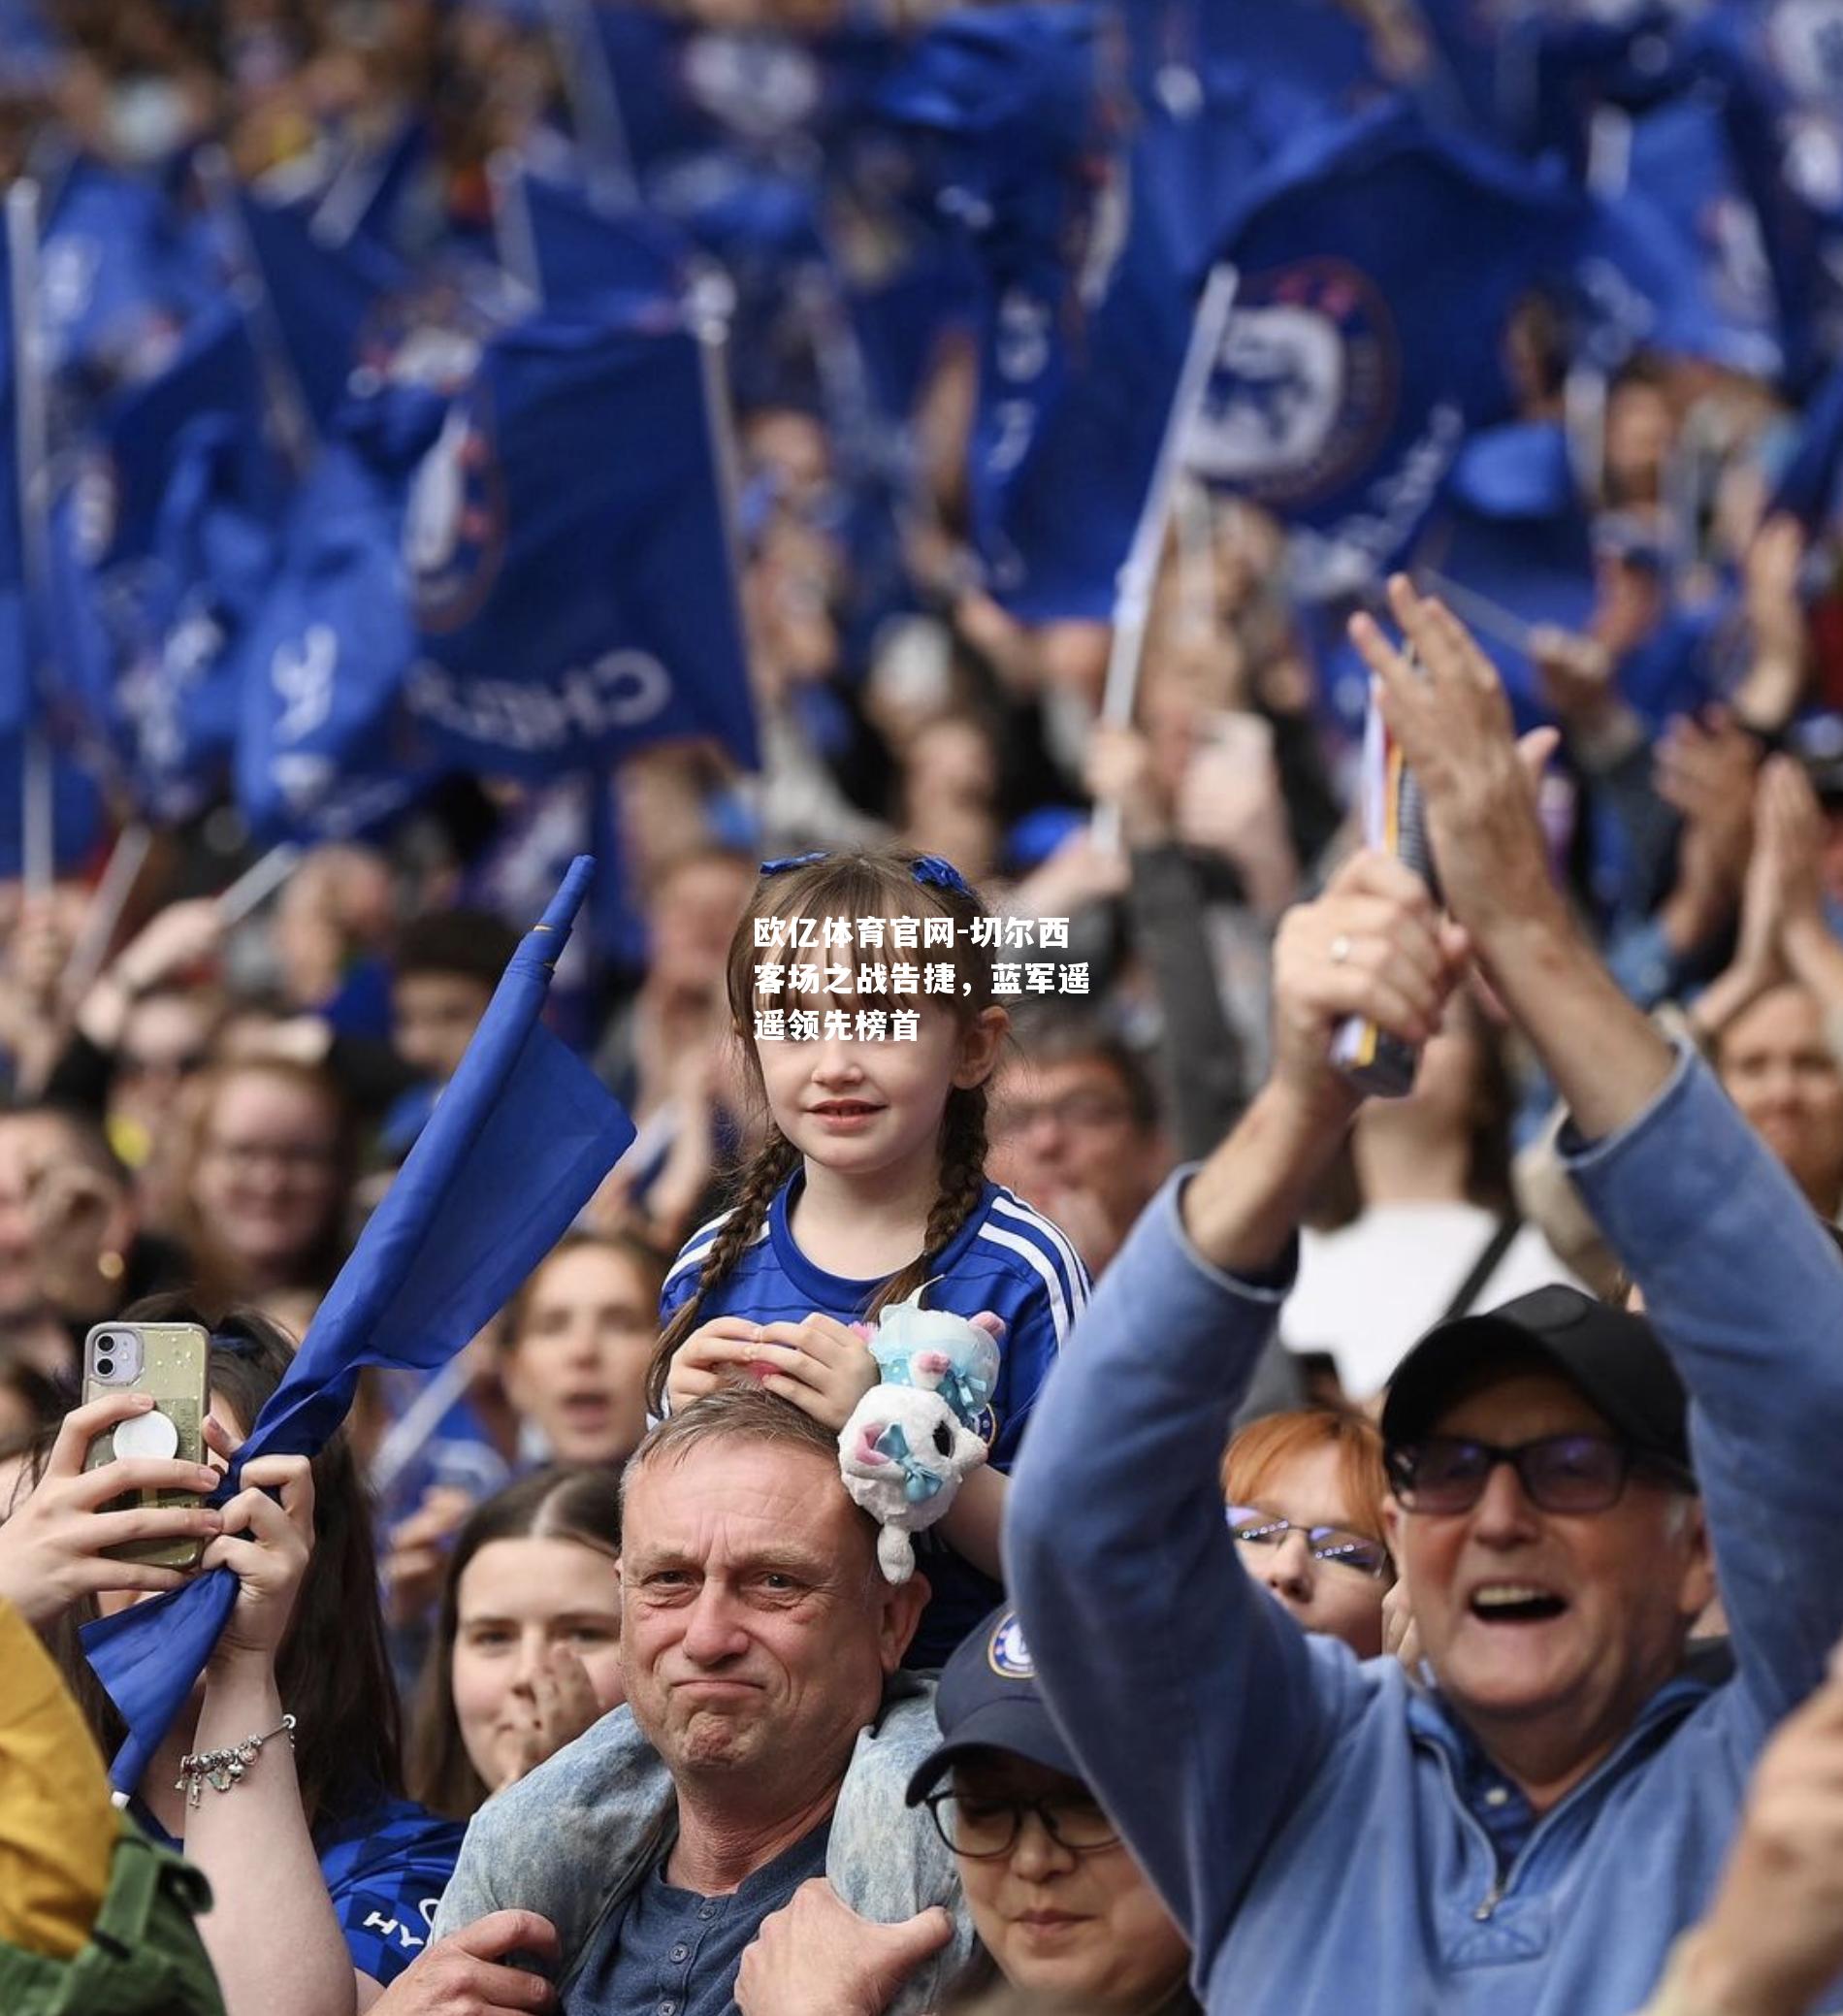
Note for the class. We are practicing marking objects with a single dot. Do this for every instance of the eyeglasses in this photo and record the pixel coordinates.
(1255, 1528)
(1075, 1110)
(1558, 1472)
(244, 1157)
(985, 1829)
(185, 1065)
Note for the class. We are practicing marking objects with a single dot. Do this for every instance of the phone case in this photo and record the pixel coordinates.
(175, 1369)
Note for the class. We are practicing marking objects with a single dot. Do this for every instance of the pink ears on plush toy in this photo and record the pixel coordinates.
(988, 1320)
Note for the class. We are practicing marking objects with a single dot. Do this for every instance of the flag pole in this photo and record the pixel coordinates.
(289, 412)
(594, 104)
(37, 861)
(257, 884)
(708, 308)
(1139, 574)
(513, 238)
(122, 870)
(1491, 618)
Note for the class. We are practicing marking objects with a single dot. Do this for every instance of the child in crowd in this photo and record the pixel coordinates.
(527, 1652)
(869, 1184)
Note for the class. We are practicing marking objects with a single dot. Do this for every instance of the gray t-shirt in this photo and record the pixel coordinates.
(671, 1952)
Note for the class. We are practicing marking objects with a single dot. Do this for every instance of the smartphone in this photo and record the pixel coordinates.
(171, 1361)
(1393, 821)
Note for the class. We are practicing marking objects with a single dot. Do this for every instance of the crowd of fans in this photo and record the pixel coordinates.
(1421, 1579)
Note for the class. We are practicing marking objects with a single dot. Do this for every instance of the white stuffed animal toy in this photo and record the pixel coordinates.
(912, 1438)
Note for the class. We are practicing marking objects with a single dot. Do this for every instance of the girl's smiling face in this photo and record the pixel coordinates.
(870, 1108)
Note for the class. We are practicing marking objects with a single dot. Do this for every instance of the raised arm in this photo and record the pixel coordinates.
(1742, 1281)
(1195, 1706)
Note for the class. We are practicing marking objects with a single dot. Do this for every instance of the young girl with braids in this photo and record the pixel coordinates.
(870, 1182)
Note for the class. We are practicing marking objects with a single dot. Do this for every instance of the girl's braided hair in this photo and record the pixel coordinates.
(883, 885)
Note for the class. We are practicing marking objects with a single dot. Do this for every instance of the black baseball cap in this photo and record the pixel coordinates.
(1612, 1356)
(987, 1699)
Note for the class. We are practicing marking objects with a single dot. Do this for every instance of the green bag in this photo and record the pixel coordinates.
(144, 1957)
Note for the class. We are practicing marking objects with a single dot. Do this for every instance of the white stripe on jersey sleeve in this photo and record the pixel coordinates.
(1045, 1266)
(694, 1253)
(1014, 1206)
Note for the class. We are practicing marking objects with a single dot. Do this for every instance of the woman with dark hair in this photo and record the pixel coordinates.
(282, 1778)
(1433, 1232)
(265, 1179)
(527, 1651)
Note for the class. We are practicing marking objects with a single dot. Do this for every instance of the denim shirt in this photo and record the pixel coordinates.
(1309, 1817)
(572, 1841)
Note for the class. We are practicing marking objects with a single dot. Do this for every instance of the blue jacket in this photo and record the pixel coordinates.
(1301, 1811)
(573, 1840)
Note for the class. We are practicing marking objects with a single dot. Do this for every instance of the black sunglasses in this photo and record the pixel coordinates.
(1558, 1472)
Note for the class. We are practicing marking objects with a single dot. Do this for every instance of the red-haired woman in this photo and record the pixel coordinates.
(1305, 1491)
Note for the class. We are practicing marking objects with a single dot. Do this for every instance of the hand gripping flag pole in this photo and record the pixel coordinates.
(516, 1145)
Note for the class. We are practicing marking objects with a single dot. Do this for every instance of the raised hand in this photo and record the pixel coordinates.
(51, 1549)
(563, 1704)
(1452, 720)
(1373, 946)
(269, 1564)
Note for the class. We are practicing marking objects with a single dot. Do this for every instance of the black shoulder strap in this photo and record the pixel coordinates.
(1483, 1267)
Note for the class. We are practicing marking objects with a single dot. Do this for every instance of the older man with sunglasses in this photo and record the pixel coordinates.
(1524, 1826)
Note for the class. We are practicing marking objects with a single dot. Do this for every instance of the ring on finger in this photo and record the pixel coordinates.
(1341, 947)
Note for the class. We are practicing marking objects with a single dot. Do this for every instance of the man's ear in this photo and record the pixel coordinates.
(1698, 1589)
(902, 1606)
(1394, 1519)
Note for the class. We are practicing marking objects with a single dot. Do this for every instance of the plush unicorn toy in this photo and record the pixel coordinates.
(912, 1438)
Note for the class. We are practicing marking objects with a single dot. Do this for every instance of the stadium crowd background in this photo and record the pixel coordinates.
(957, 251)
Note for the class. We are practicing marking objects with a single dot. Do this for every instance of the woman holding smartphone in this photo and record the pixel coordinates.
(323, 1877)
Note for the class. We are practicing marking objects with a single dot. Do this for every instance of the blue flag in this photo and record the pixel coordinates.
(118, 278)
(570, 558)
(1348, 381)
(1083, 307)
(321, 748)
(514, 1149)
(1811, 484)
(162, 546)
(522, 573)
(1694, 246)
(323, 297)
(584, 256)
(15, 656)
(1513, 531)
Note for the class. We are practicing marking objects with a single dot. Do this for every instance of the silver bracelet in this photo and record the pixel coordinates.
(222, 1768)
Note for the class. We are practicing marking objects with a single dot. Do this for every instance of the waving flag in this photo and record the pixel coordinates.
(570, 558)
(520, 572)
(515, 1148)
(118, 278)
(162, 544)
(1348, 381)
(577, 256)
(1811, 484)
(1511, 545)
(320, 745)
(323, 296)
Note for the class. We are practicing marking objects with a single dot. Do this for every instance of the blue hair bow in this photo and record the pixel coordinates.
(918, 1485)
(932, 871)
(937, 872)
